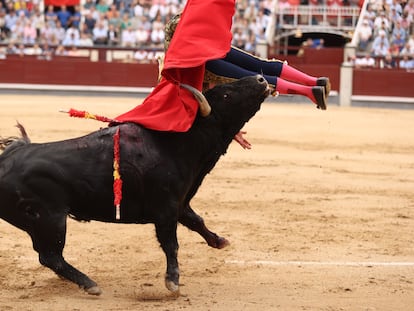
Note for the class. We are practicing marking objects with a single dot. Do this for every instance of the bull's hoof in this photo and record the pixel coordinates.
(218, 242)
(94, 290)
(172, 287)
(222, 243)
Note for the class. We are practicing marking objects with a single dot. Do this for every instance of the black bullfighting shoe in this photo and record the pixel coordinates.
(319, 94)
(323, 81)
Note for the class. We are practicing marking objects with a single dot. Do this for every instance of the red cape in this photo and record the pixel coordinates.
(203, 33)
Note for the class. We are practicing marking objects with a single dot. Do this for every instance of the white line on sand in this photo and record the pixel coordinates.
(322, 263)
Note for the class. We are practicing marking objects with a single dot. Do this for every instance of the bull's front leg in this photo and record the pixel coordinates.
(167, 236)
(194, 222)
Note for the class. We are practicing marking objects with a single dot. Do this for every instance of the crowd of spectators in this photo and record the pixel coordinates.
(124, 23)
(386, 36)
(29, 28)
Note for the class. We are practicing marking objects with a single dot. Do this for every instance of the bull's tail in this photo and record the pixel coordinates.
(7, 142)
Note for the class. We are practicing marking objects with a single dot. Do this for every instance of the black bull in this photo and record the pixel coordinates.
(41, 184)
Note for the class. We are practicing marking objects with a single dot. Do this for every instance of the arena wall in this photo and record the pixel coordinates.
(66, 70)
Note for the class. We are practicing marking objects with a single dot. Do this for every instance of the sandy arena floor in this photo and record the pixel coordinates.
(320, 216)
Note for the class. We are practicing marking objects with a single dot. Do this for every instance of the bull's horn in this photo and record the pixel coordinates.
(205, 108)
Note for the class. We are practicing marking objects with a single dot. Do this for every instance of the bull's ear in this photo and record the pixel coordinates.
(205, 108)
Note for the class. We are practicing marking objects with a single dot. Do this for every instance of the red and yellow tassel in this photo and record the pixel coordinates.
(117, 177)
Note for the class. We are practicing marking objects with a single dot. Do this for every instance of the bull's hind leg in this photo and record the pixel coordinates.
(194, 222)
(167, 236)
(48, 238)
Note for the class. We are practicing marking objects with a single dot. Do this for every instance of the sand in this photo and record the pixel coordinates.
(319, 214)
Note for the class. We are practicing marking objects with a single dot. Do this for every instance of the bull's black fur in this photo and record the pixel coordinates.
(41, 184)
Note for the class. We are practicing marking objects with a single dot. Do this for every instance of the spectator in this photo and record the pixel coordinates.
(102, 6)
(142, 36)
(408, 49)
(172, 8)
(125, 9)
(370, 14)
(128, 37)
(70, 40)
(96, 15)
(60, 51)
(411, 40)
(126, 22)
(406, 62)
(86, 7)
(364, 62)
(3, 53)
(406, 22)
(21, 8)
(380, 50)
(46, 34)
(364, 35)
(2, 21)
(381, 22)
(262, 20)
(17, 31)
(64, 16)
(47, 51)
(59, 32)
(10, 21)
(90, 21)
(138, 9)
(395, 5)
(100, 34)
(157, 36)
(409, 8)
(389, 62)
(140, 56)
(38, 20)
(51, 16)
(157, 8)
(20, 50)
(251, 11)
(398, 30)
(250, 45)
(158, 22)
(394, 50)
(29, 33)
(85, 30)
(113, 35)
(380, 38)
(11, 48)
(73, 51)
(394, 17)
(76, 17)
(114, 18)
(146, 24)
(72, 30)
(85, 40)
(240, 37)
(33, 50)
(398, 41)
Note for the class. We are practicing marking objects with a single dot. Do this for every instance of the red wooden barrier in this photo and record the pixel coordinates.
(383, 82)
(77, 71)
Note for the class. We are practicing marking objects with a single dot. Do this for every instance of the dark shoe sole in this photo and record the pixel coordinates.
(323, 81)
(318, 93)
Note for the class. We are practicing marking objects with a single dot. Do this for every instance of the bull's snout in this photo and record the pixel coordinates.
(261, 80)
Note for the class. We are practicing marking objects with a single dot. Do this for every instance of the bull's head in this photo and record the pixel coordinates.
(240, 99)
(205, 107)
